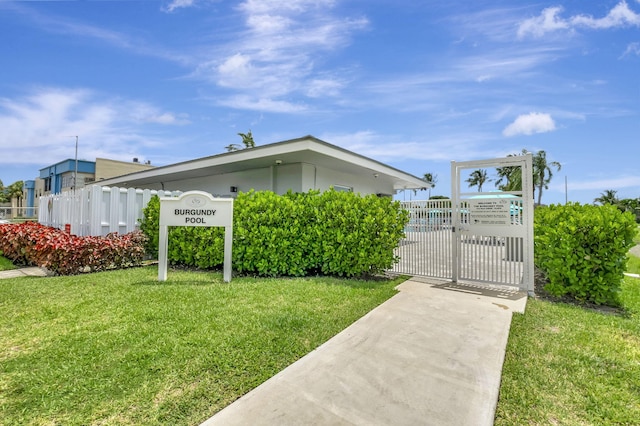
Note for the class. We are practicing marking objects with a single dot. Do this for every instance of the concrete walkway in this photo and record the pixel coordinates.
(23, 272)
(430, 355)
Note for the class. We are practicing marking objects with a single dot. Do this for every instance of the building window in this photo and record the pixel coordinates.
(67, 181)
(342, 188)
(47, 184)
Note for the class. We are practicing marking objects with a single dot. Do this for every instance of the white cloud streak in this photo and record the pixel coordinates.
(528, 124)
(178, 4)
(549, 21)
(37, 127)
(279, 52)
(632, 49)
(62, 25)
(395, 148)
(604, 184)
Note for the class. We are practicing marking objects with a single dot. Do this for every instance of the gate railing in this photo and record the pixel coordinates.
(426, 248)
(504, 219)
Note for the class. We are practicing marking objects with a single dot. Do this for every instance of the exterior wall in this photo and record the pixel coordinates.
(67, 181)
(326, 178)
(29, 195)
(288, 177)
(298, 177)
(106, 168)
(220, 185)
(55, 174)
(32, 191)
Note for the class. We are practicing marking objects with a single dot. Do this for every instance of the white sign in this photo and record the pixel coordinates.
(195, 208)
(489, 211)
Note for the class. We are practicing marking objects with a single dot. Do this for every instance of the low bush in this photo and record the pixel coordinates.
(582, 250)
(296, 234)
(33, 244)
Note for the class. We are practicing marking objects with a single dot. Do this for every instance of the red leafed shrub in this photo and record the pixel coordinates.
(33, 244)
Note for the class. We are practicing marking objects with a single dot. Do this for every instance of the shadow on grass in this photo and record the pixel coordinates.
(185, 276)
(203, 277)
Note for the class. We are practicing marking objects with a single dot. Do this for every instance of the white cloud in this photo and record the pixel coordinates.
(177, 4)
(145, 113)
(252, 7)
(608, 183)
(395, 148)
(550, 21)
(324, 87)
(619, 16)
(632, 49)
(38, 127)
(235, 71)
(279, 53)
(262, 104)
(268, 24)
(528, 124)
(56, 24)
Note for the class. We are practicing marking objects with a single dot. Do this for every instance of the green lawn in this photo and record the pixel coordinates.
(121, 348)
(633, 265)
(5, 264)
(567, 365)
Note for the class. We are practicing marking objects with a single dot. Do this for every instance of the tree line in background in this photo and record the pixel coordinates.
(610, 197)
(510, 179)
(12, 191)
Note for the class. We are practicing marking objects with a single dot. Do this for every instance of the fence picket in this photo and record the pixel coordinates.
(97, 210)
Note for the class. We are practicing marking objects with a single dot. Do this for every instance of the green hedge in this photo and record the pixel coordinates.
(582, 250)
(296, 234)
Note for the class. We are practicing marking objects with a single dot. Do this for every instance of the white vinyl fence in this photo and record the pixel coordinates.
(97, 210)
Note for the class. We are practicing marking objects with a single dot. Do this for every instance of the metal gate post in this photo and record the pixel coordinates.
(455, 222)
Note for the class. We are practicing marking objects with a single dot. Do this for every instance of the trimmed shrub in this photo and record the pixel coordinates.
(296, 234)
(582, 250)
(273, 234)
(30, 243)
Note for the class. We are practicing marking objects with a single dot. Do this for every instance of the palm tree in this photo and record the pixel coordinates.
(3, 196)
(15, 190)
(631, 205)
(247, 139)
(510, 175)
(247, 142)
(431, 179)
(478, 178)
(542, 172)
(608, 197)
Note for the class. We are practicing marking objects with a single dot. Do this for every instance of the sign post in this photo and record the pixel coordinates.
(195, 208)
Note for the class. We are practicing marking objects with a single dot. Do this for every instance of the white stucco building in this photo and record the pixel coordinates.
(299, 165)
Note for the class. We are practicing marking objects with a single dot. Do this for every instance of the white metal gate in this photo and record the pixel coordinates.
(475, 236)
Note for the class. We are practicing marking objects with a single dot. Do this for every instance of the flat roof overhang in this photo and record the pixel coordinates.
(303, 150)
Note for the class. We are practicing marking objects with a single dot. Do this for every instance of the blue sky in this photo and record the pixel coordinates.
(415, 84)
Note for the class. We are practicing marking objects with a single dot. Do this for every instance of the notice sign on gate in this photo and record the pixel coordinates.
(489, 211)
(195, 208)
